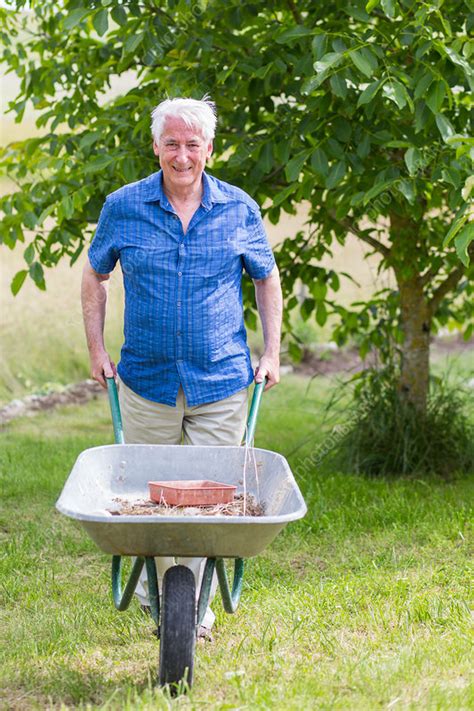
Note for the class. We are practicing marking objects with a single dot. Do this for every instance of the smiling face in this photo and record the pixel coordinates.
(183, 152)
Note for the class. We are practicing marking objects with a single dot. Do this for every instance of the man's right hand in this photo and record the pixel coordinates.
(102, 367)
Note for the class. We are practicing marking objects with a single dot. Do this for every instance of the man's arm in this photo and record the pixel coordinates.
(270, 308)
(94, 293)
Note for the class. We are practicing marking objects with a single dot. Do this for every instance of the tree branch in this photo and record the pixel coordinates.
(378, 246)
(429, 274)
(294, 12)
(448, 284)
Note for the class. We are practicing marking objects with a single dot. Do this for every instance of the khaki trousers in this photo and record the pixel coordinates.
(216, 423)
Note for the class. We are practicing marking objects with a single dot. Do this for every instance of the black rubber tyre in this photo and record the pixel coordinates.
(177, 627)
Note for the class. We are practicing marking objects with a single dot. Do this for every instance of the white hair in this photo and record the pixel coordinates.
(195, 114)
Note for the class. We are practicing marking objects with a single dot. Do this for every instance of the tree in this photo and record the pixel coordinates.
(362, 110)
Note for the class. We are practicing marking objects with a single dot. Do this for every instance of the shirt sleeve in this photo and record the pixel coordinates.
(258, 256)
(103, 252)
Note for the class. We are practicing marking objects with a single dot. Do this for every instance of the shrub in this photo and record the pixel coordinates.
(389, 437)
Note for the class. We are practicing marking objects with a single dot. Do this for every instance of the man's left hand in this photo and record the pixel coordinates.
(268, 367)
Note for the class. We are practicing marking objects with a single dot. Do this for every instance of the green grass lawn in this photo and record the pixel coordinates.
(362, 605)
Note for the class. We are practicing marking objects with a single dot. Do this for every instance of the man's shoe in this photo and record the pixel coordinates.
(205, 634)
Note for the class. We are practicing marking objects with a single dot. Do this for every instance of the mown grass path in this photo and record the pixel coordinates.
(363, 605)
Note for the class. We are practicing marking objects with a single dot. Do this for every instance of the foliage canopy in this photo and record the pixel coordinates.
(360, 109)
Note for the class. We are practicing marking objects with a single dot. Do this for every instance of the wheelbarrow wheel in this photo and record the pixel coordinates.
(178, 627)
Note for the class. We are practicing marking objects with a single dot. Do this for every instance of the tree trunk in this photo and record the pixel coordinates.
(416, 326)
(415, 315)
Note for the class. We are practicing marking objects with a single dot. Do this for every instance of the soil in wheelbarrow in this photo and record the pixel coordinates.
(144, 507)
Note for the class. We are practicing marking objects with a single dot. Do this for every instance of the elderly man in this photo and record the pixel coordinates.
(182, 238)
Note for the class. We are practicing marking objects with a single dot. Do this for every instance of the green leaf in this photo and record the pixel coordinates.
(66, 208)
(338, 86)
(459, 220)
(336, 174)
(284, 194)
(364, 60)
(445, 127)
(423, 84)
(46, 212)
(37, 274)
(98, 163)
(101, 22)
(371, 5)
(388, 7)
(75, 17)
(132, 42)
(319, 162)
(407, 189)
(436, 96)
(321, 314)
(89, 138)
(413, 160)
(363, 149)
(462, 242)
(307, 308)
(29, 253)
(369, 93)
(17, 281)
(319, 290)
(119, 15)
(293, 33)
(377, 189)
(295, 352)
(341, 129)
(467, 335)
(328, 61)
(460, 62)
(396, 92)
(294, 166)
(265, 160)
(468, 187)
(318, 45)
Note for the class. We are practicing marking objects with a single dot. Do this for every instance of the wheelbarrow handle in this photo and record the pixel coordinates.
(255, 404)
(115, 410)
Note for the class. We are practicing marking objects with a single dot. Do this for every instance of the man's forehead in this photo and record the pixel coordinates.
(176, 128)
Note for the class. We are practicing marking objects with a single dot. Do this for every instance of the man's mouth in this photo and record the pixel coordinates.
(182, 170)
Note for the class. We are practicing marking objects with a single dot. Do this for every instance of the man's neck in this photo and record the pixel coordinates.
(189, 194)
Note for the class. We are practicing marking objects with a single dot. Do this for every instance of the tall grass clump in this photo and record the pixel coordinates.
(385, 435)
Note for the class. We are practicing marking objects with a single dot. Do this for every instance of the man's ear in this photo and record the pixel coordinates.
(156, 150)
(209, 149)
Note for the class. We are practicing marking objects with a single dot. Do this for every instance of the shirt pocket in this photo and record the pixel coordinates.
(215, 254)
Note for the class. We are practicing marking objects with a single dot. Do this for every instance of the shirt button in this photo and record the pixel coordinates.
(178, 303)
(180, 273)
(178, 333)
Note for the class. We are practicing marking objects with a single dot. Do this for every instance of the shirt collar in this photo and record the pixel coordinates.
(211, 192)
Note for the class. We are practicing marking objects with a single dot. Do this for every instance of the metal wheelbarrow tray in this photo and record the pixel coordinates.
(103, 474)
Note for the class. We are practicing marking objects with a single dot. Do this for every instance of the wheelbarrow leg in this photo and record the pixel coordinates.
(177, 628)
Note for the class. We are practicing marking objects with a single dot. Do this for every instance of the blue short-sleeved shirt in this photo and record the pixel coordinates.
(183, 297)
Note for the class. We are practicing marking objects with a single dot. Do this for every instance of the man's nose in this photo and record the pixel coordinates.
(182, 154)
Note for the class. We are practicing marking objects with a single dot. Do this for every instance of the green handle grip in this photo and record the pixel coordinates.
(252, 420)
(115, 411)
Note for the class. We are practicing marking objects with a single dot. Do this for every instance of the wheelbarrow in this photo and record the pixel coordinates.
(103, 474)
